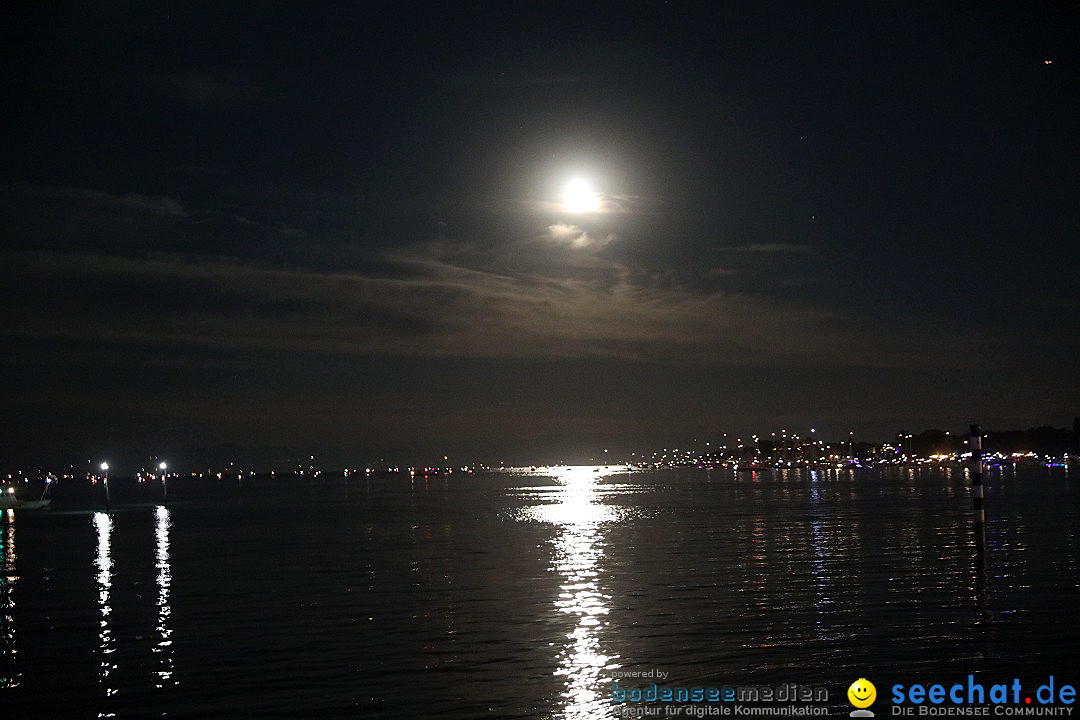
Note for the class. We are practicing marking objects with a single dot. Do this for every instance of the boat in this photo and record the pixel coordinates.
(8, 501)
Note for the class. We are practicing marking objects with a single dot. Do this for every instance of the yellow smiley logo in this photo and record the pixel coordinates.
(862, 693)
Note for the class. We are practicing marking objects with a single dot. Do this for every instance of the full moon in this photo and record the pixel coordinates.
(579, 197)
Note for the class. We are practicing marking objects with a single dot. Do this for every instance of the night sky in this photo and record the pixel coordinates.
(269, 229)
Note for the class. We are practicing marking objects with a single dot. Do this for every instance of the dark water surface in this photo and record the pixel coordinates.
(516, 595)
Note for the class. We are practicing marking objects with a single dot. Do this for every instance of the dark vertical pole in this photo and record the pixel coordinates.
(982, 591)
(976, 479)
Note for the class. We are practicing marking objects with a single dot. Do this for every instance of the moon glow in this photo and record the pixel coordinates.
(579, 197)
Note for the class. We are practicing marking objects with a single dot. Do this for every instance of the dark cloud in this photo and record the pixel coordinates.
(784, 248)
(211, 90)
(512, 79)
(101, 206)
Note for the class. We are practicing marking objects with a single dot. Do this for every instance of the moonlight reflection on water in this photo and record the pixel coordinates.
(575, 506)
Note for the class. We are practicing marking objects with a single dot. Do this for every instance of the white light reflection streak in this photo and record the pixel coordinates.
(578, 550)
(8, 651)
(104, 564)
(817, 542)
(163, 648)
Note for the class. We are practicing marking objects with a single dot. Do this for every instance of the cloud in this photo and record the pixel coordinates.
(430, 308)
(576, 237)
(566, 290)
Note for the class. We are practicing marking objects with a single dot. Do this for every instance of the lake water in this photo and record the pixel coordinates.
(518, 595)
